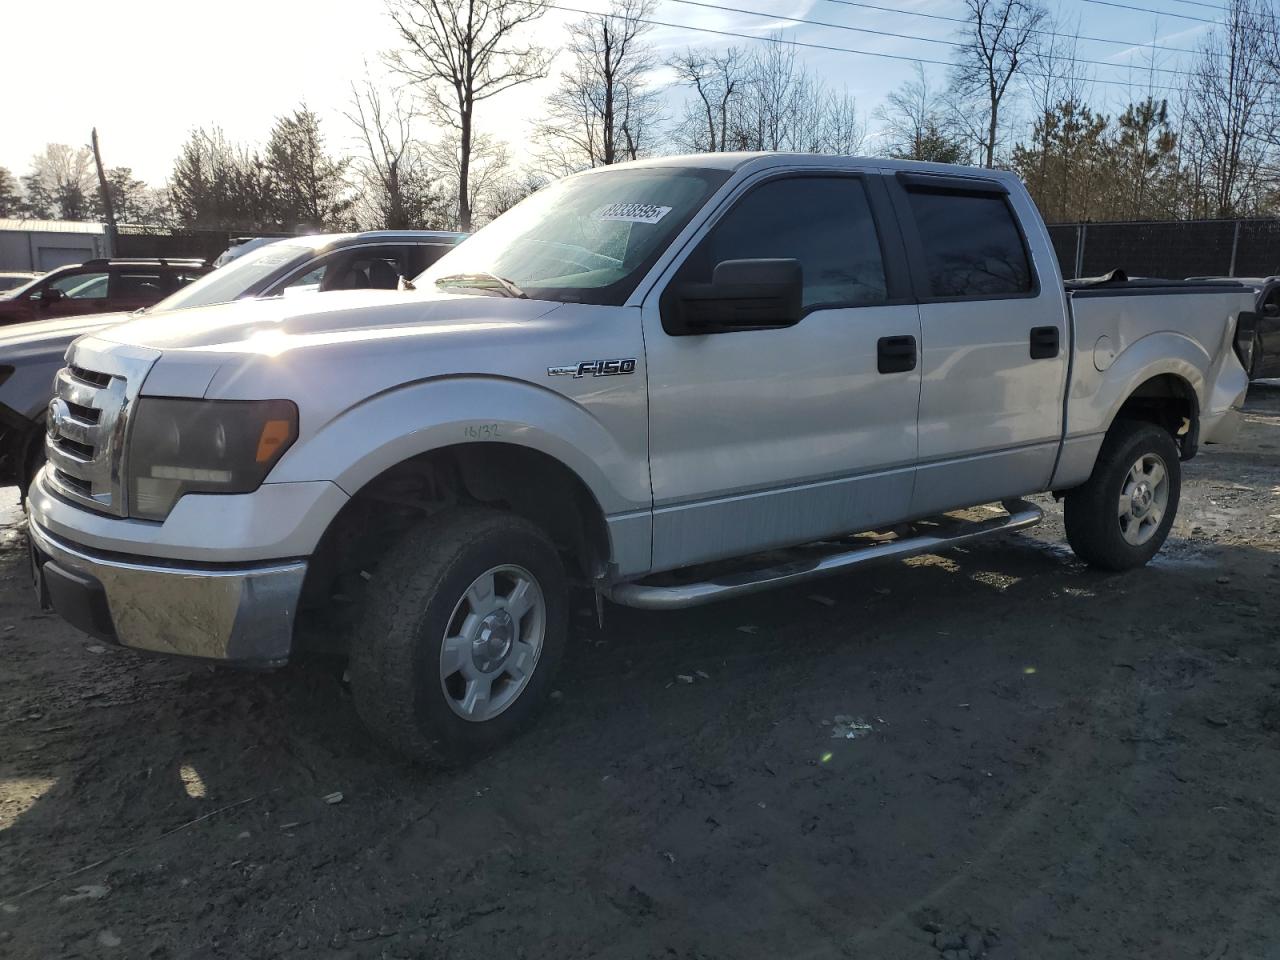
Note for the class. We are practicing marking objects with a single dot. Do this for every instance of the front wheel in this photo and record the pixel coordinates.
(463, 631)
(1121, 516)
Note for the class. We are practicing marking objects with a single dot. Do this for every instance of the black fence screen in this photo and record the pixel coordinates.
(1170, 250)
(176, 244)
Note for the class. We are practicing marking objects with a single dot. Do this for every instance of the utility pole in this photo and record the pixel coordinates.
(113, 236)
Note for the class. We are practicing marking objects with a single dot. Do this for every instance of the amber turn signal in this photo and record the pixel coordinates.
(275, 434)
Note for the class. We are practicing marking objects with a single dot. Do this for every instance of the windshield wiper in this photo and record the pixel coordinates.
(483, 280)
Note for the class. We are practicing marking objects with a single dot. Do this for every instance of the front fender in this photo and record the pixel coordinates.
(389, 428)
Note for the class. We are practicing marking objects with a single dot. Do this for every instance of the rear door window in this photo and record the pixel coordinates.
(971, 243)
(137, 285)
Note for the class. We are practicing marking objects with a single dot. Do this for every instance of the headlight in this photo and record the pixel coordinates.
(203, 446)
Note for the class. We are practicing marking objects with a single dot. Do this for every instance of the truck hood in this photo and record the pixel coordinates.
(276, 326)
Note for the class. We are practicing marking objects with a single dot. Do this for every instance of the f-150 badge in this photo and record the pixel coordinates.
(596, 368)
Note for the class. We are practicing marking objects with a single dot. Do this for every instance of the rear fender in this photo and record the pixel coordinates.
(1096, 397)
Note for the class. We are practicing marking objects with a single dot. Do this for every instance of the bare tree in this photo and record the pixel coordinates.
(603, 112)
(776, 94)
(489, 169)
(842, 129)
(716, 79)
(460, 53)
(999, 41)
(393, 171)
(1224, 110)
(1058, 80)
(61, 183)
(916, 124)
(510, 190)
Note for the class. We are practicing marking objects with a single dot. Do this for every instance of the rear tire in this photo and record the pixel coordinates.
(1120, 517)
(462, 635)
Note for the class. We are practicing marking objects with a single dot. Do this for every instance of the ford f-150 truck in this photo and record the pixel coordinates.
(673, 382)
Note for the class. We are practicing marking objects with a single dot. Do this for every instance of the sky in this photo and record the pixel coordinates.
(146, 72)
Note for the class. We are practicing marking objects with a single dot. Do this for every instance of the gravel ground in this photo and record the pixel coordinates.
(994, 751)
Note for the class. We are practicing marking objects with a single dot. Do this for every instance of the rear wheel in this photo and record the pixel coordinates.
(463, 632)
(1121, 516)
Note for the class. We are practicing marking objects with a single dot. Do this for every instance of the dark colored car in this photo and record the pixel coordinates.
(1266, 344)
(10, 280)
(1266, 348)
(99, 286)
(32, 353)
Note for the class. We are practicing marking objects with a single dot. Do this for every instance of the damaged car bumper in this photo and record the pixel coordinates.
(242, 614)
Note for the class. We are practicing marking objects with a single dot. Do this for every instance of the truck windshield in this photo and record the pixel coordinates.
(236, 278)
(587, 239)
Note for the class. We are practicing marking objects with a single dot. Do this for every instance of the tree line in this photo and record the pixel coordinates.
(1199, 139)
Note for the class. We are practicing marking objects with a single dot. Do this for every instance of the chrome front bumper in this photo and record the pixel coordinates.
(240, 614)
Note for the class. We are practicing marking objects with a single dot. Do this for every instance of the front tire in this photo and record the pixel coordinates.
(463, 632)
(1120, 517)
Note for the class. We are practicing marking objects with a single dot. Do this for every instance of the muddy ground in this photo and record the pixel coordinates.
(1058, 764)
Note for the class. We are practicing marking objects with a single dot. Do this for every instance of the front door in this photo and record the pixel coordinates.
(77, 293)
(762, 438)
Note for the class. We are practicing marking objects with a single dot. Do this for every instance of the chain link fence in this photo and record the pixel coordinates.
(1169, 249)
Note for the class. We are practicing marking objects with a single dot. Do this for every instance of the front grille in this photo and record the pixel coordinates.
(74, 447)
(87, 421)
(75, 483)
(91, 377)
(86, 415)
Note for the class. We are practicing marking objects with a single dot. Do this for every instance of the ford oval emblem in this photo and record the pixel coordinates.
(59, 413)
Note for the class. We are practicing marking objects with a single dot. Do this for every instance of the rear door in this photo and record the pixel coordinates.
(994, 341)
(765, 437)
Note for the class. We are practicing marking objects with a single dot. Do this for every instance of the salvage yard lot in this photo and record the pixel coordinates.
(1059, 763)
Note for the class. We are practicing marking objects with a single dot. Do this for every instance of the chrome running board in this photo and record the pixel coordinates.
(927, 536)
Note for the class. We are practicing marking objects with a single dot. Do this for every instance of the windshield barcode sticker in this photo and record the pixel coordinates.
(632, 212)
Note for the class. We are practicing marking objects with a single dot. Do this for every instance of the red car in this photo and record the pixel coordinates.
(98, 286)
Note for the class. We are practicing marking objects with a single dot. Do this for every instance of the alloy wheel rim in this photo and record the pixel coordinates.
(492, 642)
(1144, 498)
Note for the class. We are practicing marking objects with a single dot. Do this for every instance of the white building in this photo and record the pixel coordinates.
(41, 245)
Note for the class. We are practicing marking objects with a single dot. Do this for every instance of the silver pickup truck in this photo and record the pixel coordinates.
(672, 382)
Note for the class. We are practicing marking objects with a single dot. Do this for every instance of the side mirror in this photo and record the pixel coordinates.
(50, 295)
(742, 295)
(1271, 311)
